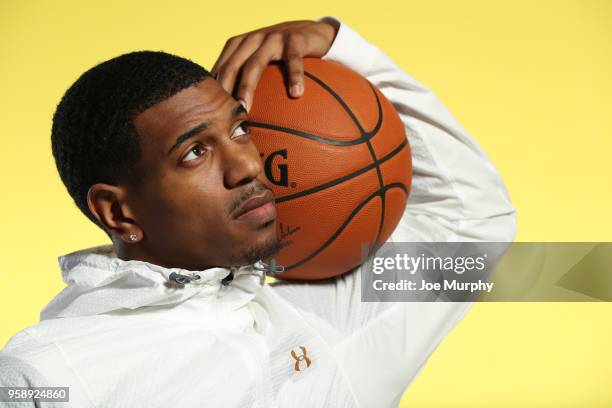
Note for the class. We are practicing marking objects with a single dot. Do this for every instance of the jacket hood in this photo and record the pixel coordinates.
(100, 282)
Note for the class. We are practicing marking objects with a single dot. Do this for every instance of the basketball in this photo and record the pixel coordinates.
(339, 164)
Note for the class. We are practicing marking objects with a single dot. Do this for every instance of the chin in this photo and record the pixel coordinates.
(265, 245)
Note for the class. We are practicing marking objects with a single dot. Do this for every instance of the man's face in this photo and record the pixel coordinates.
(203, 201)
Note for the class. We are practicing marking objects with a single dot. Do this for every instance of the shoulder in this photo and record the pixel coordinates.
(24, 359)
(18, 372)
(50, 347)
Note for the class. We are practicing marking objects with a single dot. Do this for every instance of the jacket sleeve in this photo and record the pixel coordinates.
(14, 372)
(25, 362)
(456, 195)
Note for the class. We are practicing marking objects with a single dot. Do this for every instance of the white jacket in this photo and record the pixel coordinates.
(119, 337)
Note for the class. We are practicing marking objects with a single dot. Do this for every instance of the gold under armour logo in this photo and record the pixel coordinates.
(299, 359)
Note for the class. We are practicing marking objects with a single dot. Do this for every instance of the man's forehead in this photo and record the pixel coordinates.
(205, 99)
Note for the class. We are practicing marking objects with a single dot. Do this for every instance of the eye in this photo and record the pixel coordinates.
(241, 130)
(195, 152)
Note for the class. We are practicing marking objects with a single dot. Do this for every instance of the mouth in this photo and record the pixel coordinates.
(259, 208)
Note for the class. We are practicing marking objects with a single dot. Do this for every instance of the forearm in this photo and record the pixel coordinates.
(454, 182)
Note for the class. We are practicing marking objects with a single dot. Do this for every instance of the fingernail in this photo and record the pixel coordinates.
(244, 104)
(296, 90)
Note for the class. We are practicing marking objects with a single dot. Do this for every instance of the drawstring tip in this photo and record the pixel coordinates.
(228, 279)
(182, 279)
(271, 268)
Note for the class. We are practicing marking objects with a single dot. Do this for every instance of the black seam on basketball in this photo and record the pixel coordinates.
(366, 135)
(338, 98)
(342, 179)
(306, 135)
(378, 171)
(378, 125)
(381, 185)
(363, 137)
(346, 222)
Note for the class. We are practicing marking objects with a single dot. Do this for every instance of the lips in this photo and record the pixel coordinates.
(251, 207)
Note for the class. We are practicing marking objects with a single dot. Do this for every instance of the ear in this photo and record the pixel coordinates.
(109, 205)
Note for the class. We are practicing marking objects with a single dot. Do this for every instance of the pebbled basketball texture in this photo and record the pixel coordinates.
(338, 161)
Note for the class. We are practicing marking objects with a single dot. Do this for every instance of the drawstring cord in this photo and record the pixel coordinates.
(271, 269)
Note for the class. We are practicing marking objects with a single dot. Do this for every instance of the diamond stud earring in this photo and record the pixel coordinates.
(133, 237)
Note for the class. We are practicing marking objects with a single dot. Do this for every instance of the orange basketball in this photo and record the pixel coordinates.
(339, 163)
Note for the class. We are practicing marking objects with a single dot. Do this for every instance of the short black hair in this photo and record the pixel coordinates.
(93, 137)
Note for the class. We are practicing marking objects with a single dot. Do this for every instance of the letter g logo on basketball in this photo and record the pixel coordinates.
(282, 178)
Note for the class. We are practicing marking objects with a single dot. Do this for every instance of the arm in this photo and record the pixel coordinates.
(16, 373)
(26, 362)
(457, 195)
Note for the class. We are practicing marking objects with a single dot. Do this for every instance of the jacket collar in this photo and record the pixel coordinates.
(100, 282)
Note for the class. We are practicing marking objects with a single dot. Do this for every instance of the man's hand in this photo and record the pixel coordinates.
(245, 56)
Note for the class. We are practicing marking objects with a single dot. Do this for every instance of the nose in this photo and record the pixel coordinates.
(242, 164)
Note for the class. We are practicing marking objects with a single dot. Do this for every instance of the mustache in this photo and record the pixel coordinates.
(254, 189)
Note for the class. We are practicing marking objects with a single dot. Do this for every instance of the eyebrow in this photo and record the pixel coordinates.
(237, 111)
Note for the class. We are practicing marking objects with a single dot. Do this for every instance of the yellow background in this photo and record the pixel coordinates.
(529, 79)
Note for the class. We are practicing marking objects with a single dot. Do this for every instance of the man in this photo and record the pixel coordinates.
(175, 313)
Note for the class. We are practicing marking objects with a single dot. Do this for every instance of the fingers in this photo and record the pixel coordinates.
(245, 57)
(253, 67)
(293, 56)
(228, 72)
(228, 49)
(276, 46)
